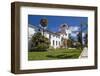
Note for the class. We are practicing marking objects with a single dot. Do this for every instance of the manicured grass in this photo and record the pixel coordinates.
(55, 54)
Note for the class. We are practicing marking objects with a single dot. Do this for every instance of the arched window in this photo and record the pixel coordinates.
(56, 42)
(59, 43)
(53, 42)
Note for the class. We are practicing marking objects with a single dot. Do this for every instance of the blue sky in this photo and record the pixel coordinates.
(54, 22)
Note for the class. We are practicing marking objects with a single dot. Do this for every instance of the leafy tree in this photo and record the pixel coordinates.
(40, 42)
(86, 39)
(79, 37)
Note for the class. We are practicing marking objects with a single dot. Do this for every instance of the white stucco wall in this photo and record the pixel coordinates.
(51, 36)
(31, 32)
(55, 38)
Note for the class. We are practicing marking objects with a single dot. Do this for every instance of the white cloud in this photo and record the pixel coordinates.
(74, 28)
(83, 34)
(73, 34)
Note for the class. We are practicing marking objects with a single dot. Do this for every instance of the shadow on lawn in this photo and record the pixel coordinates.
(37, 50)
(62, 56)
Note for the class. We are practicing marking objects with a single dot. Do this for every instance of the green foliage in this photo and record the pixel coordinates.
(79, 36)
(86, 40)
(51, 48)
(78, 45)
(61, 53)
(40, 42)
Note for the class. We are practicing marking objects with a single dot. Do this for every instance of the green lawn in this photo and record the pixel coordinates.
(55, 54)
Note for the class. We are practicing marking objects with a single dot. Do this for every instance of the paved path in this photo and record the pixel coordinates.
(84, 53)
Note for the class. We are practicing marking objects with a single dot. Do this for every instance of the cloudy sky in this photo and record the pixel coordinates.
(54, 22)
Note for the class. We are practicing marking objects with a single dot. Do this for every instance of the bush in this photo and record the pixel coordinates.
(40, 47)
(51, 48)
(78, 45)
(40, 42)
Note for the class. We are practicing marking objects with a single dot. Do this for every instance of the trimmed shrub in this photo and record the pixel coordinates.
(40, 42)
(78, 45)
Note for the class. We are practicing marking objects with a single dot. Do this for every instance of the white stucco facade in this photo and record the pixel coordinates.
(55, 39)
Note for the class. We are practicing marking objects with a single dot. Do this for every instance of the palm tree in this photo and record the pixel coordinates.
(81, 30)
(86, 39)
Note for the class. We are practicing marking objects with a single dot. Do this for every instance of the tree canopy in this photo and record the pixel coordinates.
(40, 42)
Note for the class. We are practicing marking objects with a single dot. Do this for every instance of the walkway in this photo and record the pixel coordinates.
(84, 53)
